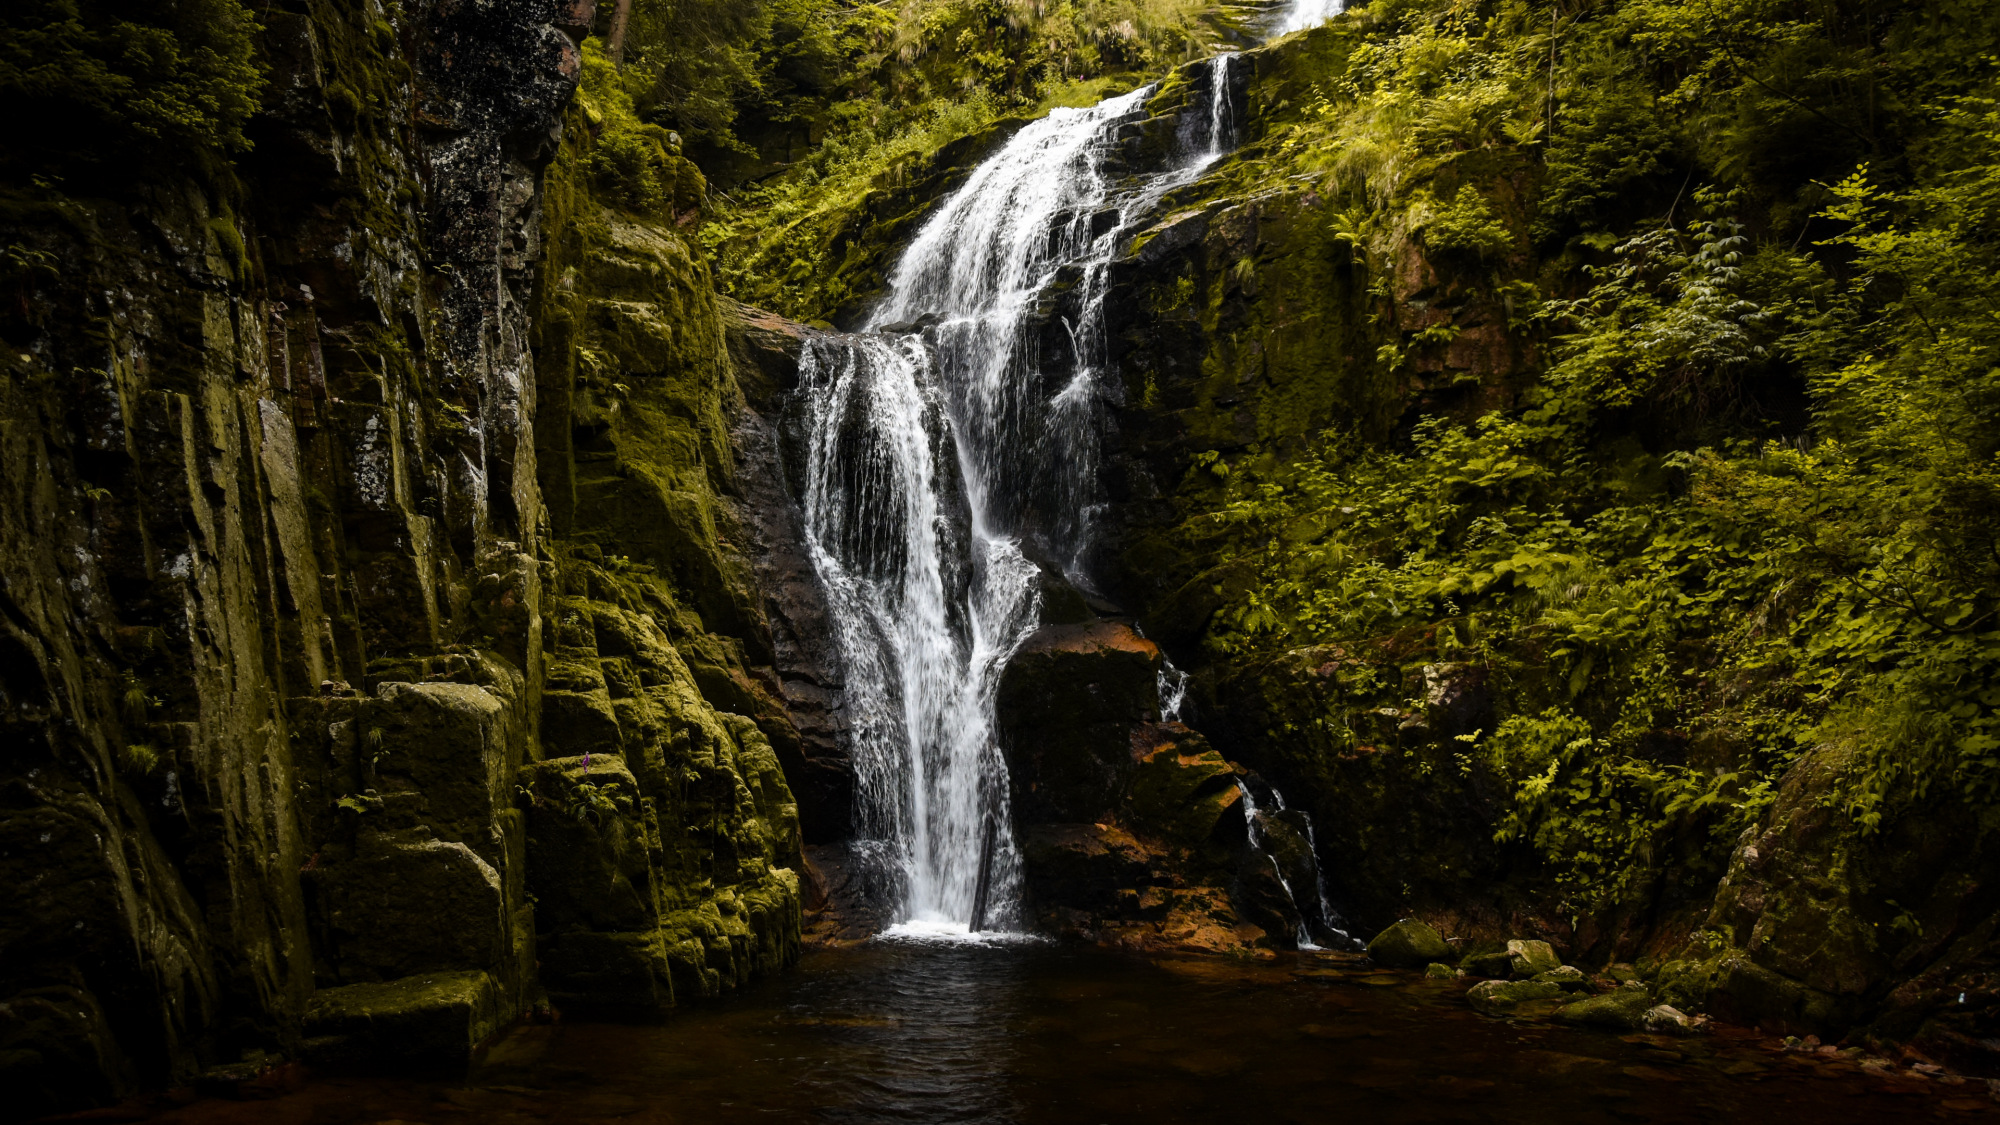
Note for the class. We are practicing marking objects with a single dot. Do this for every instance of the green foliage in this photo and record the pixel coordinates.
(83, 83)
(1749, 506)
(734, 75)
(1467, 227)
(826, 101)
(635, 165)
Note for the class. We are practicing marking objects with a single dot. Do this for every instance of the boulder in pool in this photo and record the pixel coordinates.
(1409, 944)
(1503, 997)
(1622, 1009)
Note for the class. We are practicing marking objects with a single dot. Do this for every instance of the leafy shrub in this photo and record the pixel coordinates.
(1468, 228)
(84, 82)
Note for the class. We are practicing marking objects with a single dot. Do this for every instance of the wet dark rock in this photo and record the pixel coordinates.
(1409, 944)
(805, 658)
(1132, 831)
(851, 892)
(1068, 704)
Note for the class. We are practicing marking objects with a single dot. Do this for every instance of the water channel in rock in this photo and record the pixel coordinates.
(1036, 1034)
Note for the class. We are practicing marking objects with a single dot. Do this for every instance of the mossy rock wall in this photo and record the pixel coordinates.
(297, 666)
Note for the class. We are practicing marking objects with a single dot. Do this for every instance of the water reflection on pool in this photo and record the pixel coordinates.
(959, 1032)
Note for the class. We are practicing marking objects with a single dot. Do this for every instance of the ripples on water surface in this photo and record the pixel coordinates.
(926, 1031)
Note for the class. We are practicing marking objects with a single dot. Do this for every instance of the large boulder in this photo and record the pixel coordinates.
(1409, 944)
(1133, 831)
(1067, 706)
(424, 1021)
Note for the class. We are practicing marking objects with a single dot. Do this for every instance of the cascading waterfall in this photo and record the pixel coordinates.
(940, 454)
(1300, 14)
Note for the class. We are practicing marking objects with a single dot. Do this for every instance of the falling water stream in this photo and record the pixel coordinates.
(944, 448)
(1300, 14)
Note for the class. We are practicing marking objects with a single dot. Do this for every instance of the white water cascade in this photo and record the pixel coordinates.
(1297, 15)
(942, 453)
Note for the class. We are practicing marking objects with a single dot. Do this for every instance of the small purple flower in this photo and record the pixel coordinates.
(586, 761)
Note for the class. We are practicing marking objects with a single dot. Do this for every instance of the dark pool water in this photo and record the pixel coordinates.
(909, 1032)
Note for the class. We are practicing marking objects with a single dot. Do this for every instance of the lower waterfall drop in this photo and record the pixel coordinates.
(940, 453)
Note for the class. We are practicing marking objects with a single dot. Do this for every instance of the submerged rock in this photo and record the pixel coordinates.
(1438, 971)
(1409, 944)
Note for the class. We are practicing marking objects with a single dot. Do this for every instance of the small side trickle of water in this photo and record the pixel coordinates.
(1173, 687)
(1317, 917)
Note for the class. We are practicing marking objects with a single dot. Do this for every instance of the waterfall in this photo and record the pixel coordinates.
(1300, 14)
(944, 448)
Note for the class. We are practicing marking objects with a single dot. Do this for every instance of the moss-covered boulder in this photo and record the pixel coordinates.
(1569, 978)
(1514, 997)
(1622, 1009)
(427, 1021)
(1527, 959)
(1409, 944)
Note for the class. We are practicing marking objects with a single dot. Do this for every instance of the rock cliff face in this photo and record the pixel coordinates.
(375, 665)
(1134, 832)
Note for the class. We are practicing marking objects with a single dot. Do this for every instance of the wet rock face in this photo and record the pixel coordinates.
(1133, 831)
(1068, 703)
(805, 658)
(289, 631)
